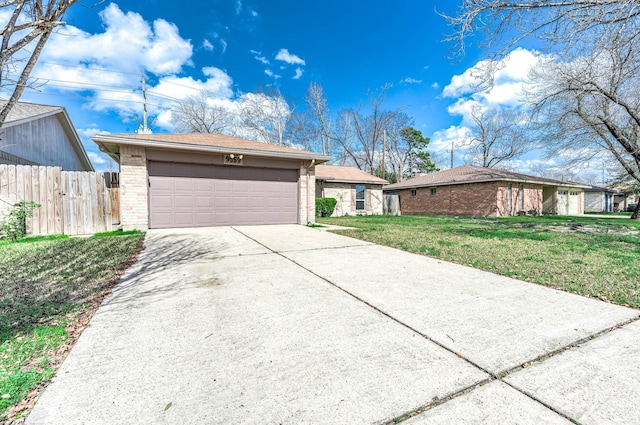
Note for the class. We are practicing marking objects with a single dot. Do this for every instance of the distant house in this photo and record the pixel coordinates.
(356, 191)
(599, 199)
(479, 191)
(42, 135)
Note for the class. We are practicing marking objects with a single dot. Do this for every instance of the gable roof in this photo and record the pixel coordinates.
(337, 173)
(596, 188)
(23, 112)
(472, 174)
(214, 143)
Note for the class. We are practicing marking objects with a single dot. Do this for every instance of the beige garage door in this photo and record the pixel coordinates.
(194, 195)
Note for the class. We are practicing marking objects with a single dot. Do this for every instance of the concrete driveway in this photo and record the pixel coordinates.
(293, 325)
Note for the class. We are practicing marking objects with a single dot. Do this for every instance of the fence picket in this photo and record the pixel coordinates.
(72, 202)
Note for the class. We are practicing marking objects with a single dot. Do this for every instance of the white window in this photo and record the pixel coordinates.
(360, 198)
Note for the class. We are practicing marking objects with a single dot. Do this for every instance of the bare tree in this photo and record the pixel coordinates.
(317, 103)
(363, 143)
(199, 114)
(302, 130)
(568, 24)
(30, 24)
(265, 116)
(311, 127)
(497, 135)
(590, 107)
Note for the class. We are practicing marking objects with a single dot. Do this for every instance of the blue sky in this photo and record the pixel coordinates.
(93, 65)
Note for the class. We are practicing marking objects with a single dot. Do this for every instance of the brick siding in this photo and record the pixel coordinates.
(472, 199)
(134, 188)
(475, 199)
(307, 194)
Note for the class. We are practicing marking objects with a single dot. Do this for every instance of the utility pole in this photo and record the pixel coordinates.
(384, 148)
(452, 154)
(145, 119)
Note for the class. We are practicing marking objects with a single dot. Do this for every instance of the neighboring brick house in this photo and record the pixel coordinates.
(479, 191)
(356, 191)
(198, 180)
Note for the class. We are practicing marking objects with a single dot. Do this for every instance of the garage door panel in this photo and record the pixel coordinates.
(204, 195)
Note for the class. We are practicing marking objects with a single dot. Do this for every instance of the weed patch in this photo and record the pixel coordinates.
(47, 284)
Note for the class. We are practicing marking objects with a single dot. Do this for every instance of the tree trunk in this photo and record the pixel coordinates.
(636, 213)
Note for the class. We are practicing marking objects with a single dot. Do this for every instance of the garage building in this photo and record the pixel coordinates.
(198, 180)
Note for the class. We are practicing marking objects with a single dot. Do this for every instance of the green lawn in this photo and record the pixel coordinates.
(49, 286)
(598, 257)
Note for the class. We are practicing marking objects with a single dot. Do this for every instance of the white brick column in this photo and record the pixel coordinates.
(307, 193)
(134, 188)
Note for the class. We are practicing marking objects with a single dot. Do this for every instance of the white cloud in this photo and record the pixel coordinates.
(298, 74)
(263, 60)
(290, 58)
(410, 80)
(509, 78)
(224, 45)
(254, 13)
(238, 7)
(442, 139)
(128, 41)
(96, 159)
(206, 44)
(270, 73)
(435, 85)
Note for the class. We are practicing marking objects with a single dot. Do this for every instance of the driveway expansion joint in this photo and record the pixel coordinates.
(492, 376)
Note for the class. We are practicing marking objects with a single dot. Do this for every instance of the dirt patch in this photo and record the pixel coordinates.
(207, 283)
(595, 228)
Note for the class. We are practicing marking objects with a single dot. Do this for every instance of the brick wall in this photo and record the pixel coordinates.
(474, 199)
(134, 188)
(344, 193)
(510, 201)
(307, 193)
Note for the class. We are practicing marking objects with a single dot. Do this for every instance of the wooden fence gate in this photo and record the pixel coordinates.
(391, 204)
(71, 202)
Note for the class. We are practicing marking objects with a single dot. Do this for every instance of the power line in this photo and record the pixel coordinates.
(89, 98)
(92, 69)
(117, 72)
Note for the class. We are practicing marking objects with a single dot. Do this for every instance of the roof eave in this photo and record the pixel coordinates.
(103, 141)
(560, 184)
(354, 181)
(84, 157)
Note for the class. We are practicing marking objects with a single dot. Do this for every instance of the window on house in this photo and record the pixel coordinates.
(433, 191)
(360, 197)
(413, 192)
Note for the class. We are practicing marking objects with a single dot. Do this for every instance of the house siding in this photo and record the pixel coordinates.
(134, 188)
(344, 194)
(307, 192)
(532, 199)
(42, 141)
(473, 199)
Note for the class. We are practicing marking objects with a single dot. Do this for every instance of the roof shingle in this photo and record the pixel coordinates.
(473, 174)
(342, 174)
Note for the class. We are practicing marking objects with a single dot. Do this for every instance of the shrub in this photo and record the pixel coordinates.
(14, 224)
(325, 206)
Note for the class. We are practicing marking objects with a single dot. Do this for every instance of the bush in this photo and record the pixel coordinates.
(325, 206)
(14, 225)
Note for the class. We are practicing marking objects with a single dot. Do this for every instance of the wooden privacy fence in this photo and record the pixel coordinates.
(391, 204)
(72, 202)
